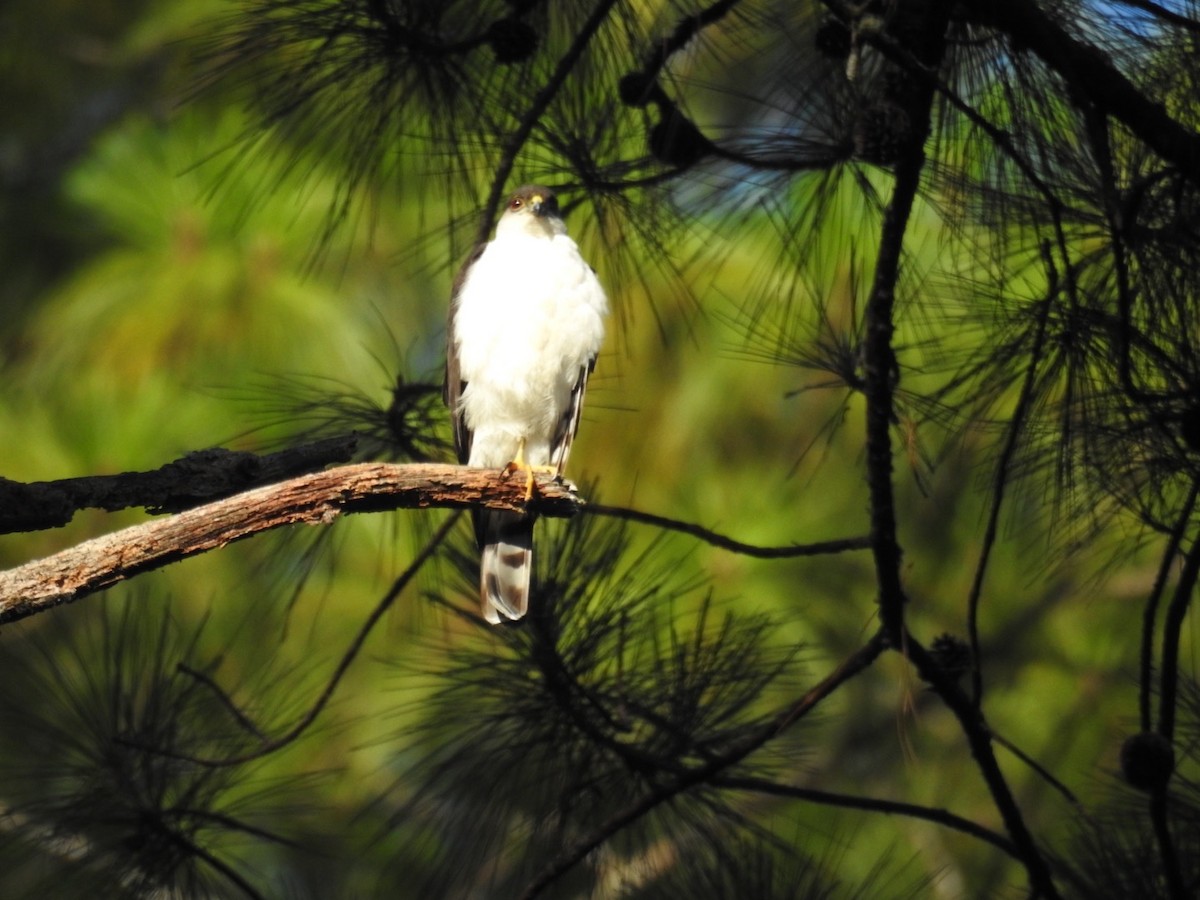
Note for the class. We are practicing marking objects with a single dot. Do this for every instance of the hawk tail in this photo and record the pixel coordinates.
(506, 564)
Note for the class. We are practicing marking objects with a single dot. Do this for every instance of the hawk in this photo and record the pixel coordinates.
(526, 322)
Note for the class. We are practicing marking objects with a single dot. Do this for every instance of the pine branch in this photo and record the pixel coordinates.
(979, 738)
(818, 548)
(533, 114)
(1172, 632)
(315, 499)
(1150, 612)
(198, 477)
(880, 370)
(666, 790)
(1176, 885)
(267, 747)
(1089, 74)
(873, 804)
(1167, 15)
(1015, 429)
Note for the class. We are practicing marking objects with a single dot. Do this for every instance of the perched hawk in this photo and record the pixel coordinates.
(526, 322)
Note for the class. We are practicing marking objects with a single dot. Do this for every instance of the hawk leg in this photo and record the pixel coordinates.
(520, 465)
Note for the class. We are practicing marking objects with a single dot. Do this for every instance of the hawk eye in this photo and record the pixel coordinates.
(516, 203)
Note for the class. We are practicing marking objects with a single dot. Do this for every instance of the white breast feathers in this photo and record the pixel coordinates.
(529, 319)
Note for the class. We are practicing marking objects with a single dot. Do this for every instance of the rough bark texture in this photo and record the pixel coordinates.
(199, 477)
(315, 499)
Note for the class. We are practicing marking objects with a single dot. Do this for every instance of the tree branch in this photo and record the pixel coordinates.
(1161, 12)
(1172, 630)
(315, 499)
(533, 114)
(790, 551)
(1041, 771)
(1088, 71)
(1008, 452)
(880, 375)
(267, 747)
(196, 478)
(979, 738)
(872, 804)
(1176, 885)
(1150, 612)
(704, 773)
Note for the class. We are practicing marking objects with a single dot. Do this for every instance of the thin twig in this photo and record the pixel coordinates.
(871, 804)
(1176, 886)
(343, 665)
(1150, 613)
(979, 739)
(1038, 768)
(1003, 466)
(859, 661)
(231, 874)
(230, 823)
(234, 710)
(1172, 628)
(701, 774)
(819, 548)
(880, 372)
(533, 114)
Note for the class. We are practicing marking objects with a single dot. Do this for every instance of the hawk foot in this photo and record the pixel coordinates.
(520, 465)
(530, 472)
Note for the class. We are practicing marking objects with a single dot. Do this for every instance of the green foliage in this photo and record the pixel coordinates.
(237, 223)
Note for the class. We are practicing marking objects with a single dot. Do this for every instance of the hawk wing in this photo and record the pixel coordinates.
(569, 423)
(453, 385)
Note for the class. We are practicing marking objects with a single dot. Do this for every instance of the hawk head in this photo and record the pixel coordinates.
(532, 210)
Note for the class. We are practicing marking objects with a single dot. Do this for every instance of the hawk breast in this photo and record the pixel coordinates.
(529, 318)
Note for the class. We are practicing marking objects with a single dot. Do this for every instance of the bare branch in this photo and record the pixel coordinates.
(1172, 631)
(1003, 473)
(225, 700)
(196, 478)
(268, 747)
(1150, 612)
(875, 804)
(818, 548)
(315, 499)
(979, 738)
(881, 373)
(1041, 771)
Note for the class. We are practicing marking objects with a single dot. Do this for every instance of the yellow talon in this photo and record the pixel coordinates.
(520, 465)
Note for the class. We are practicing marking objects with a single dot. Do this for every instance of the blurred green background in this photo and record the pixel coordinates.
(164, 278)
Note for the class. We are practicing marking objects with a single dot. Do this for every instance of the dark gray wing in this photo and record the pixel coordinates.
(453, 385)
(569, 423)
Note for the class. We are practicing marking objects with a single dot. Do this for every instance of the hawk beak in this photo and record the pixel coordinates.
(538, 201)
